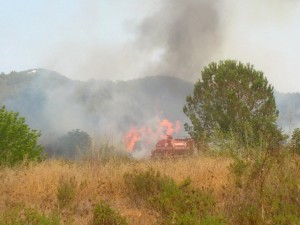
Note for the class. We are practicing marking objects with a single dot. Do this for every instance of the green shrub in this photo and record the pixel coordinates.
(268, 192)
(66, 191)
(17, 141)
(19, 216)
(104, 215)
(295, 141)
(188, 219)
(178, 204)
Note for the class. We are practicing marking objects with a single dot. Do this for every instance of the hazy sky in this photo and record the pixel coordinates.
(124, 39)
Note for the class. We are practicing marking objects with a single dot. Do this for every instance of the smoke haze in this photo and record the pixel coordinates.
(177, 38)
(56, 105)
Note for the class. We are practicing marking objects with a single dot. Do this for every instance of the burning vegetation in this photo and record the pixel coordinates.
(145, 137)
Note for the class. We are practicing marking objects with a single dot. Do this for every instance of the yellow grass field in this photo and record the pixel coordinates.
(36, 186)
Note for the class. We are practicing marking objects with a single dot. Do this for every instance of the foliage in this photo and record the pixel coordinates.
(66, 191)
(17, 141)
(267, 190)
(72, 144)
(104, 214)
(178, 204)
(19, 216)
(233, 98)
(296, 141)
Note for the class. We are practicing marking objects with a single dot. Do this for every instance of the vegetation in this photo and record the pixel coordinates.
(19, 216)
(66, 191)
(106, 151)
(233, 108)
(177, 204)
(295, 141)
(266, 190)
(18, 142)
(192, 190)
(234, 99)
(71, 145)
(37, 186)
(104, 214)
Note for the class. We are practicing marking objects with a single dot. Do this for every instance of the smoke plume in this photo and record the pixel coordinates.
(182, 36)
(175, 39)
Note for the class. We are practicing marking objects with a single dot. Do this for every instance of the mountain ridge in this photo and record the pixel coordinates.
(56, 104)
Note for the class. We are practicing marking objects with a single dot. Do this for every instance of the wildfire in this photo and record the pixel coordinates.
(132, 136)
(149, 135)
(169, 126)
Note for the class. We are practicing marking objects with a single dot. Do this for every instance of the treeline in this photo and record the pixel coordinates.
(232, 107)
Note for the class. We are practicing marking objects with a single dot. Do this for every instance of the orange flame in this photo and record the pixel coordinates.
(148, 134)
(169, 126)
(132, 136)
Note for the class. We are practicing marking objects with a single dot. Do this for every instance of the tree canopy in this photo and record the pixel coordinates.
(71, 145)
(232, 97)
(17, 140)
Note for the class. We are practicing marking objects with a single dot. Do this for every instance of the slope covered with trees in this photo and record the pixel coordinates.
(57, 105)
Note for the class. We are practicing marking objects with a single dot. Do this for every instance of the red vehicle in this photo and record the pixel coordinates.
(170, 146)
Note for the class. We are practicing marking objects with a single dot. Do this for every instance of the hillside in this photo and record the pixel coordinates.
(55, 104)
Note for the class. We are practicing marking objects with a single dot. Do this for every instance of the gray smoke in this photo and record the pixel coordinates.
(183, 35)
(56, 105)
(177, 39)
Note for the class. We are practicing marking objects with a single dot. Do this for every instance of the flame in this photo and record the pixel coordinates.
(148, 135)
(169, 126)
(132, 136)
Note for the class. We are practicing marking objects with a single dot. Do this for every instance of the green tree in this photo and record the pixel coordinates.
(72, 144)
(234, 99)
(17, 140)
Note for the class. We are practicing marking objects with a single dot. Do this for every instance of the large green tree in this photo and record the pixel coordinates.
(233, 98)
(17, 140)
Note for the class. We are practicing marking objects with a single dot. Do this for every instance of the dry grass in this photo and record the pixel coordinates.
(36, 185)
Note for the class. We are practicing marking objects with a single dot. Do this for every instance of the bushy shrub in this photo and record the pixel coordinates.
(17, 141)
(267, 192)
(66, 191)
(19, 216)
(103, 214)
(178, 204)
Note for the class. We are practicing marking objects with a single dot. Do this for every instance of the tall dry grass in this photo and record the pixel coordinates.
(36, 185)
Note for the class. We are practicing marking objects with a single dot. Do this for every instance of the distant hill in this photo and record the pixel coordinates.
(55, 104)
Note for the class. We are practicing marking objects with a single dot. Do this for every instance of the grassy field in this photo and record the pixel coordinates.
(71, 190)
(37, 185)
